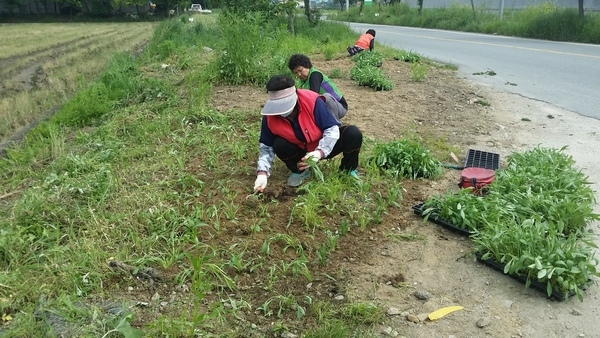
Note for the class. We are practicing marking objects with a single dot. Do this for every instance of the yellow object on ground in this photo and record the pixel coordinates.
(437, 314)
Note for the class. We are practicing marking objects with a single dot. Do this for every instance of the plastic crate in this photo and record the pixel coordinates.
(482, 159)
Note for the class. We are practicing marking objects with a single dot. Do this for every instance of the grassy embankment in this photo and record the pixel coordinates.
(138, 190)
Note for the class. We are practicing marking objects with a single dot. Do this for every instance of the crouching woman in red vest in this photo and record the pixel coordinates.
(296, 126)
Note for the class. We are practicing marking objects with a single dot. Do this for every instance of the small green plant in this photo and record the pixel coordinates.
(367, 72)
(418, 71)
(405, 158)
(370, 76)
(335, 73)
(125, 329)
(368, 58)
(329, 51)
(255, 227)
(344, 227)
(363, 313)
(408, 57)
(314, 167)
(322, 254)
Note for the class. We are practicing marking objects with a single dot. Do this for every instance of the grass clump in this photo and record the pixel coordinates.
(407, 57)
(405, 158)
(367, 72)
(418, 71)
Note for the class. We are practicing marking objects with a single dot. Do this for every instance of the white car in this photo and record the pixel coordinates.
(300, 4)
(198, 8)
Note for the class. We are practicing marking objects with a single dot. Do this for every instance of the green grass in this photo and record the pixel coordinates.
(137, 188)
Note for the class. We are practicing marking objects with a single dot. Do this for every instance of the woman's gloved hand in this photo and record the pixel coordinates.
(261, 182)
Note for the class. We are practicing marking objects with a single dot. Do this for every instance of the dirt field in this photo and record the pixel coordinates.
(387, 273)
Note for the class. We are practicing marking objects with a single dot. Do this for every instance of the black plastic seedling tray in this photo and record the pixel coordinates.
(482, 159)
(559, 296)
(418, 209)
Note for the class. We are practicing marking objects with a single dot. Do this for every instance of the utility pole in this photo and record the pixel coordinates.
(347, 4)
(501, 9)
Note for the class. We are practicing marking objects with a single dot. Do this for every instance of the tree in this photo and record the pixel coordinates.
(312, 14)
(350, 2)
(21, 6)
(580, 5)
(420, 10)
(289, 8)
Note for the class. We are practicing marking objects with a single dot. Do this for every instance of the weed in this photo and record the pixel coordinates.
(418, 71)
(408, 57)
(335, 73)
(329, 51)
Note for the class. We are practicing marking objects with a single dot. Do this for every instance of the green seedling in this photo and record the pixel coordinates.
(313, 165)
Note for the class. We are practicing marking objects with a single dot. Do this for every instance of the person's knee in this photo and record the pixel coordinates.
(353, 132)
(354, 135)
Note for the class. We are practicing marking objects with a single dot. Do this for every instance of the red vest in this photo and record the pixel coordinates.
(364, 41)
(280, 126)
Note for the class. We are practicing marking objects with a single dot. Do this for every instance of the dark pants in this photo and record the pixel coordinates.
(349, 144)
(353, 50)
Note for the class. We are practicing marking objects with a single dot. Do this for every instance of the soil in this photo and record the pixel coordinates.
(464, 115)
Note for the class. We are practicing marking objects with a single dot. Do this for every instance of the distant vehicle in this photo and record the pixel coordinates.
(198, 8)
(300, 4)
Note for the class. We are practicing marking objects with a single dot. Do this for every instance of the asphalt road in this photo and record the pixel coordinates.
(563, 74)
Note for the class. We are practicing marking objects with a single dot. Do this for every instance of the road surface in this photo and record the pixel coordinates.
(563, 74)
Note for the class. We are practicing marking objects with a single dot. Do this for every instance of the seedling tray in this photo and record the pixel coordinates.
(559, 296)
(418, 209)
(482, 159)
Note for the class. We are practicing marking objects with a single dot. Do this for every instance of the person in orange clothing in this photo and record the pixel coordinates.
(365, 41)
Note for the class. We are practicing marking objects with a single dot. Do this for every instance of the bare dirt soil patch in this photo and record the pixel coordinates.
(443, 107)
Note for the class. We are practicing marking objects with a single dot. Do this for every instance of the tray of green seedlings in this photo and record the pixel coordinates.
(559, 266)
(532, 222)
(431, 214)
(459, 211)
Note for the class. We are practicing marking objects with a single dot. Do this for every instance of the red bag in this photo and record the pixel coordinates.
(478, 178)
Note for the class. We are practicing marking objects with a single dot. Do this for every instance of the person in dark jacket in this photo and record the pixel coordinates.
(298, 128)
(364, 42)
(315, 80)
